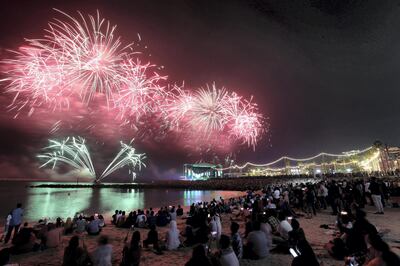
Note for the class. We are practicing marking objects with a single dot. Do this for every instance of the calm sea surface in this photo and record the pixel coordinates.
(63, 202)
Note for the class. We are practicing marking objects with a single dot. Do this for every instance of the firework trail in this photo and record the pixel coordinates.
(127, 156)
(74, 152)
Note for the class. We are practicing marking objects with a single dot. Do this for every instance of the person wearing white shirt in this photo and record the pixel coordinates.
(172, 237)
(284, 227)
(266, 228)
(257, 243)
(277, 193)
(103, 254)
(141, 220)
(227, 256)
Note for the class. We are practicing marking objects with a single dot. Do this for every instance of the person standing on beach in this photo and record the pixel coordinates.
(376, 193)
(15, 222)
(6, 226)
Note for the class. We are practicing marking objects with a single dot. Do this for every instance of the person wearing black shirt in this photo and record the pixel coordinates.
(152, 239)
(376, 193)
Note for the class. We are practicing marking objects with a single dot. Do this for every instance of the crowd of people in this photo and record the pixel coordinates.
(262, 222)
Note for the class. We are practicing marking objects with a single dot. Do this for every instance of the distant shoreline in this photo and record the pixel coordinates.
(167, 185)
(223, 184)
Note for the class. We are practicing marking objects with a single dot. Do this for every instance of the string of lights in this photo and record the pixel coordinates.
(287, 158)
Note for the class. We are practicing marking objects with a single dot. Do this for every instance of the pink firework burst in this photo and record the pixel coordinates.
(91, 53)
(36, 78)
(75, 58)
(140, 92)
(215, 114)
(246, 123)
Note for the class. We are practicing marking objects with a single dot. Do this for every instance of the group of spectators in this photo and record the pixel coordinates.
(263, 221)
(146, 218)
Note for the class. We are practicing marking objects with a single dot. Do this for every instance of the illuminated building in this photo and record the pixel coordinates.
(372, 159)
(202, 171)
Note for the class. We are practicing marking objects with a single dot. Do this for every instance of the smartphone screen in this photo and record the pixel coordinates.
(293, 252)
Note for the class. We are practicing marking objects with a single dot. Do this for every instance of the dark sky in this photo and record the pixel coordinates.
(326, 73)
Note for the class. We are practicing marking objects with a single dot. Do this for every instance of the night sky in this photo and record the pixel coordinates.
(325, 73)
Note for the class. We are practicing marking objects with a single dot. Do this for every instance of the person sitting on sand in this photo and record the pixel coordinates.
(161, 218)
(24, 241)
(172, 241)
(226, 256)
(266, 228)
(190, 239)
(103, 254)
(237, 244)
(199, 257)
(52, 238)
(102, 222)
(5, 256)
(284, 227)
(80, 225)
(114, 217)
(141, 219)
(151, 219)
(75, 255)
(121, 219)
(361, 227)
(379, 253)
(152, 239)
(179, 211)
(59, 222)
(297, 234)
(68, 226)
(272, 220)
(257, 244)
(217, 220)
(93, 227)
(306, 255)
(129, 221)
(132, 252)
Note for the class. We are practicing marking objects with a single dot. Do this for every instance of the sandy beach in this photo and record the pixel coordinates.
(387, 224)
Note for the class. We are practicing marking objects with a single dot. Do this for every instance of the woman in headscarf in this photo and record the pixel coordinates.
(172, 237)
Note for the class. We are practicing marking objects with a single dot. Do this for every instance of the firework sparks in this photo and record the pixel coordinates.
(127, 156)
(82, 63)
(141, 93)
(212, 112)
(90, 52)
(36, 78)
(74, 152)
(76, 58)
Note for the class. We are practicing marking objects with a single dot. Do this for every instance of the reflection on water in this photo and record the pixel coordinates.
(112, 199)
(54, 202)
